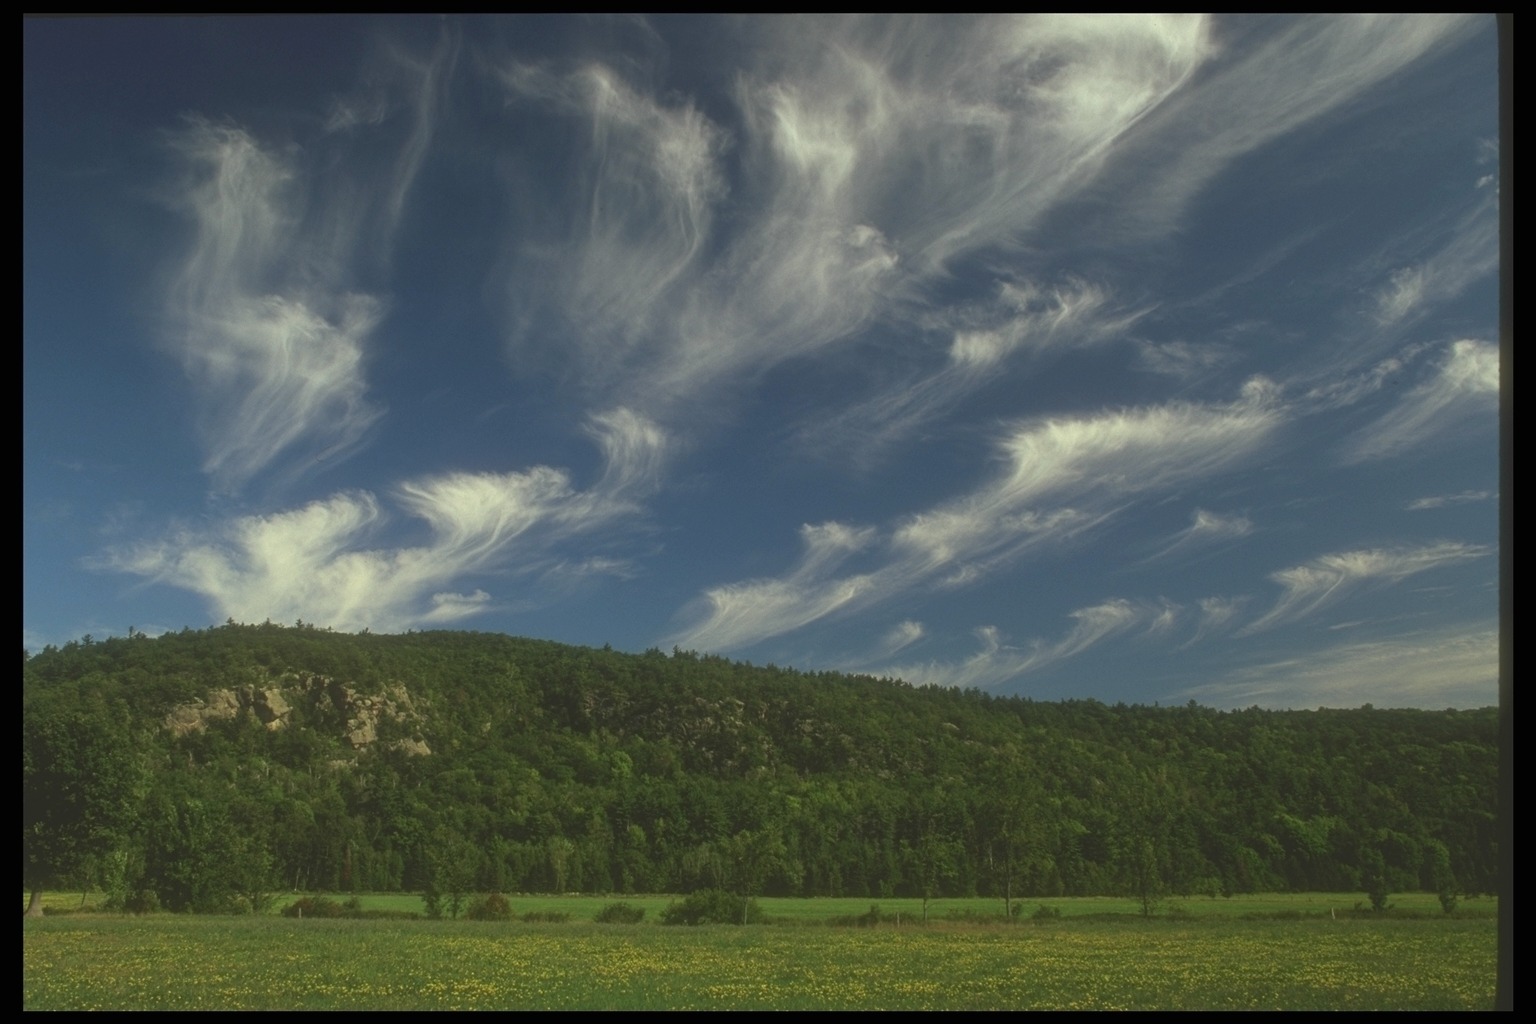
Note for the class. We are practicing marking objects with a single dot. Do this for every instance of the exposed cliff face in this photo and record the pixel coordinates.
(324, 699)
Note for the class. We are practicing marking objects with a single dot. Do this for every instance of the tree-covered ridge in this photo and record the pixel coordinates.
(501, 763)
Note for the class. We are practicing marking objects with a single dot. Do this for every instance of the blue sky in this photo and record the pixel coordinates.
(1133, 358)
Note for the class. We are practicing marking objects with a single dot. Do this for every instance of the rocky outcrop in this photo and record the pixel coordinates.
(315, 699)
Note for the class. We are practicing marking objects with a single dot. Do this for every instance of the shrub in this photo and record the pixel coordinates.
(711, 906)
(620, 913)
(1045, 913)
(490, 908)
(314, 906)
(131, 901)
(547, 916)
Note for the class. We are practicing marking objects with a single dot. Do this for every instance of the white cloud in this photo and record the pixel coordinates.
(1182, 359)
(1470, 254)
(997, 663)
(1206, 528)
(1455, 667)
(902, 635)
(1307, 71)
(868, 153)
(1403, 294)
(1092, 462)
(742, 613)
(264, 310)
(1321, 582)
(1463, 393)
(1060, 477)
(1343, 388)
(1029, 315)
(270, 370)
(1023, 318)
(629, 221)
(1216, 614)
(320, 562)
(1443, 500)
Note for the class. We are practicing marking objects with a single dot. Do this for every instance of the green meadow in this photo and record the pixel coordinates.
(1298, 952)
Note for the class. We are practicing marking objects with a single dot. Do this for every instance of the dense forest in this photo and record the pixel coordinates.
(202, 770)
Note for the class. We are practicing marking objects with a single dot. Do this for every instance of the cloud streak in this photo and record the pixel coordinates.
(1454, 667)
(861, 157)
(996, 663)
(1464, 388)
(1205, 528)
(1059, 477)
(1444, 500)
(270, 370)
(1315, 585)
(320, 562)
(1307, 70)
(263, 310)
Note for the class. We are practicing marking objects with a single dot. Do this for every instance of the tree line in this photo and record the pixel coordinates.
(513, 764)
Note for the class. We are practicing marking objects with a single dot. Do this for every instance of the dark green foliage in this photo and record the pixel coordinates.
(1045, 913)
(713, 906)
(317, 906)
(80, 776)
(493, 907)
(547, 916)
(141, 901)
(866, 920)
(620, 913)
(558, 769)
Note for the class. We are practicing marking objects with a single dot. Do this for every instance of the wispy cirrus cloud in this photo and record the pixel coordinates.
(1315, 585)
(1060, 477)
(902, 635)
(1453, 667)
(862, 155)
(1469, 254)
(1463, 389)
(1444, 500)
(998, 663)
(1205, 528)
(265, 310)
(1023, 318)
(1216, 616)
(1309, 69)
(273, 363)
(743, 613)
(323, 562)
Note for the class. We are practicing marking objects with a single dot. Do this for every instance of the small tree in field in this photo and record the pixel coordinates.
(451, 864)
(1373, 878)
(752, 856)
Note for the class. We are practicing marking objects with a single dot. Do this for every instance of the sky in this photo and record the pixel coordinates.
(1143, 359)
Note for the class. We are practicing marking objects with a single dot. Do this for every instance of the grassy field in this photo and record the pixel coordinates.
(1099, 954)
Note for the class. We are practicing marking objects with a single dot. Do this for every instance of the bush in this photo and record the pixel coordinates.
(1045, 913)
(547, 916)
(314, 906)
(712, 906)
(490, 908)
(132, 901)
(620, 913)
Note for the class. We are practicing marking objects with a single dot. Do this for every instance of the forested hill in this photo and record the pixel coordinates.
(207, 764)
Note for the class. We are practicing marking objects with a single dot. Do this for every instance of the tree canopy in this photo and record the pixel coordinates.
(210, 764)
